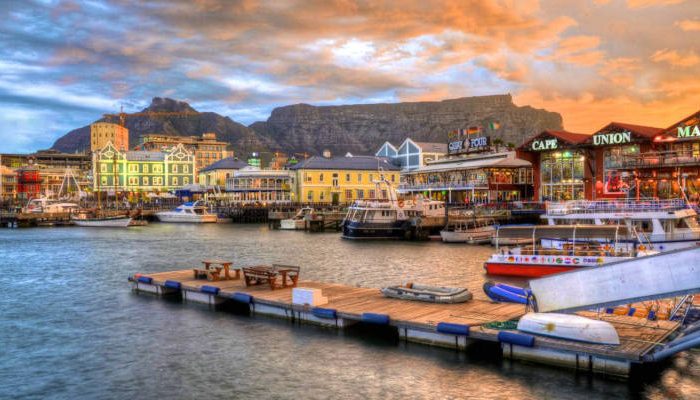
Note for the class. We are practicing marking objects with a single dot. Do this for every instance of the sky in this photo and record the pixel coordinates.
(64, 63)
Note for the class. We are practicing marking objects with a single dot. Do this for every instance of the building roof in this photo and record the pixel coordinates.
(646, 131)
(691, 119)
(428, 147)
(366, 163)
(145, 156)
(225, 163)
(497, 160)
(566, 136)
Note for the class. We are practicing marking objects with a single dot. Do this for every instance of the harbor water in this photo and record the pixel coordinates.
(71, 328)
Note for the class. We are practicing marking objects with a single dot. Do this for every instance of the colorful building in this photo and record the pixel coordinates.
(206, 149)
(8, 183)
(337, 180)
(217, 174)
(479, 178)
(102, 133)
(255, 185)
(411, 155)
(142, 171)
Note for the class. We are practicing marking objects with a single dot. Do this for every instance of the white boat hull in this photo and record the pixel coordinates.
(570, 327)
(292, 224)
(168, 216)
(476, 236)
(103, 223)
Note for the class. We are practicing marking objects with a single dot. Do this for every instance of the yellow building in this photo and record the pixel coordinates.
(206, 148)
(336, 180)
(217, 173)
(102, 133)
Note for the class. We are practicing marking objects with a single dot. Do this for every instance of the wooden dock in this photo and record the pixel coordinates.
(446, 325)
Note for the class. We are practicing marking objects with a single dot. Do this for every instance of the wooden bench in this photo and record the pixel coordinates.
(267, 275)
(211, 274)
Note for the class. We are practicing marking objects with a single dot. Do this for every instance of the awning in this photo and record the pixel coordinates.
(491, 162)
(564, 231)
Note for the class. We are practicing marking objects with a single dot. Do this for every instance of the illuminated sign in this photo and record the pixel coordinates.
(478, 143)
(454, 147)
(612, 138)
(465, 141)
(544, 144)
(686, 131)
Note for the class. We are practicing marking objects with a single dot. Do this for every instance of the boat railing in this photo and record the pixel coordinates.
(592, 207)
(578, 252)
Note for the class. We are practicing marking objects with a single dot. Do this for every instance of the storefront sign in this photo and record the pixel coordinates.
(468, 144)
(544, 144)
(688, 131)
(454, 147)
(612, 138)
(476, 144)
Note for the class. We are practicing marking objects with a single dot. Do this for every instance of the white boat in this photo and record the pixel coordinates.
(44, 205)
(299, 220)
(477, 231)
(431, 294)
(571, 327)
(664, 224)
(190, 212)
(118, 221)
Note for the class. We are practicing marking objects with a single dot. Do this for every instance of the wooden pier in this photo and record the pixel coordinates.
(446, 325)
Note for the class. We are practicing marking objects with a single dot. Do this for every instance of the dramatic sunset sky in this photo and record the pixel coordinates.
(64, 63)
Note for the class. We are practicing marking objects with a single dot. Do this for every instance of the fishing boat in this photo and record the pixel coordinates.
(299, 220)
(664, 224)
(477, 231)
(114, 221)
(577, 246)
(45, 205)
(502, 293)
(431, 294)
(570, 327)
(389, 217)
(190, 212)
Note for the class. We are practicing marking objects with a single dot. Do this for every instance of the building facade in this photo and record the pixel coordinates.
(411, 155)
(142, 171)
(480, 178)
(218, 173)
(255, 185)
(342, 180)
(206, 148)
(102, 133)
(8, 183)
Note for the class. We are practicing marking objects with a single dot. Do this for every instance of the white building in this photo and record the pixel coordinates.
(412, 155)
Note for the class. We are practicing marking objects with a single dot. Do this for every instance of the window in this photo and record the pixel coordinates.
(321, 196)
(133, 168)
(158, 181)
(175, 181)
(103, 181)
(393, 177)
(174, 168)
(371, 194)
(348, 194)
(384, 194)
(310, 195)
(103, 167)
(371, 179)
(347, 177)
(359, 178)
(145, 181)
(307, 178)
(145, 168)
(158, 169)
(186, 168)
(320, 178)
(133, 181)
(185, 181)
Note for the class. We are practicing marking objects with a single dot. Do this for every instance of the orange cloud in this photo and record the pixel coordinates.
(688, 25)
(675, 58)
(650, 3)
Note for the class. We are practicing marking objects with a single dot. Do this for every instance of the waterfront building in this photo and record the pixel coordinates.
(335, 180)
(477, 178)
(48, 158)
(8, 183)
(206, 149)
(411, 155)
(254, 185)
(217, 174)
(142, 171)
(102, 133)
(28, 183)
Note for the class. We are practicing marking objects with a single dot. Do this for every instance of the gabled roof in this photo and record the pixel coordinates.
(432, 147)
(692, 119)
(645, 131)
(225, 163)
(364, 163)
(565, 136)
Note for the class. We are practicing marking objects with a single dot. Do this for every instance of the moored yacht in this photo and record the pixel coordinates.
(299, 220)
(390, 218)
(476, 231)
(190, 212)
(45, 205)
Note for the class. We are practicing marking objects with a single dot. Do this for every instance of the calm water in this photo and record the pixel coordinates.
(70, 327)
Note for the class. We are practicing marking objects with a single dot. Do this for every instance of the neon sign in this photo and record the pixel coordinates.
(545, 144)
(685, 131)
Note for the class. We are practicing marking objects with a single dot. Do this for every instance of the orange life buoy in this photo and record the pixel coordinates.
(400, 203)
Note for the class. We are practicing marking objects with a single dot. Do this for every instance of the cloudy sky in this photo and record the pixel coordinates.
(64, 63)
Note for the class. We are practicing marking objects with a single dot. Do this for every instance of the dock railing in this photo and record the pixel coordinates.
(602, 206)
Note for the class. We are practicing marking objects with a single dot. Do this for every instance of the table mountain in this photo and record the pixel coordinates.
(359, 129)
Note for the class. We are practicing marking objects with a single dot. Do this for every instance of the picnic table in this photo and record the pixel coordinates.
(267, 275)
(212, 270)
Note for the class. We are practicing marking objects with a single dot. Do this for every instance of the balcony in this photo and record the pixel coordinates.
(258, 188)
(454, 185)
(658, 160)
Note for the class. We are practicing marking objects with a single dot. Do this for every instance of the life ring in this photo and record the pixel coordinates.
(606, 247)
(642, 247)
(400, 203)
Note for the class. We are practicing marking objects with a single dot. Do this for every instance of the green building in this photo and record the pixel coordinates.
(142, 171)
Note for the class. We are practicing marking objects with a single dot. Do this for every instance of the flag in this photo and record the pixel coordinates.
(494, 125)
(473, 129)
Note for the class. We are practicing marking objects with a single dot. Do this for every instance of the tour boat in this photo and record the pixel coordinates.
(477, 231)
(664, 224)
(389, 218)
(44, 205)
(190, 212)
(432, 294)
(116, 221)
(299, 220)
(570, 327)
(576, 246)
(497, 240)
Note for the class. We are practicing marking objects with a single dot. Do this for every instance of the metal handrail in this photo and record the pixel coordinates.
(590, 207)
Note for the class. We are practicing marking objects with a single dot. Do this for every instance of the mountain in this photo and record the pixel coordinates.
(241, 137)
(359, 129)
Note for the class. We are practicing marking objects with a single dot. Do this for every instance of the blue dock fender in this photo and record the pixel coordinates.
(453, 329)
(209, 289)
(327, 313)
(172, 285)
(239, 297)
(376, 319)
(145, 279)
(516, 338)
